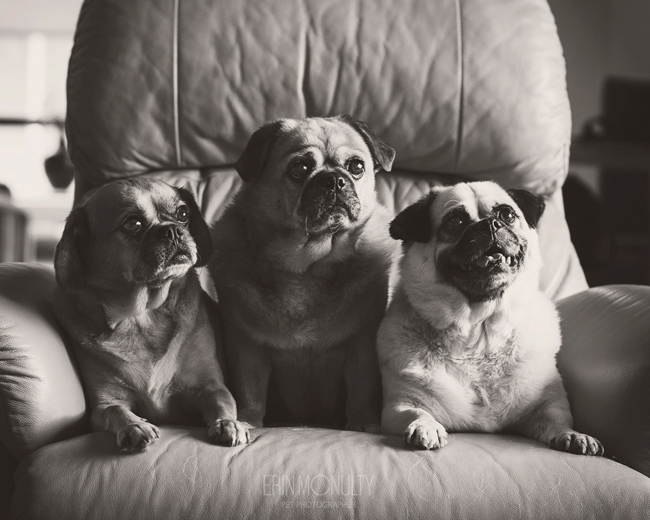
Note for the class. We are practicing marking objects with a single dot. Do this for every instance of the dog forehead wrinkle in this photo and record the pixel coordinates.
(345, 141)
(334, 135)
(488, 196)
(147, 205)
(103, 211)
(166, 205)
(459, 196)
(296, 143)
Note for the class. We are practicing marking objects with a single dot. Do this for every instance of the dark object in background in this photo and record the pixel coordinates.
(59, 169)
(13, 229)
(626, 111)
(587, 223)
(626, 118)
(617, 141)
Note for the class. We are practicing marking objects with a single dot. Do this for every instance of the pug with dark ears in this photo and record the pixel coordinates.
(147, 338)
(469, 340)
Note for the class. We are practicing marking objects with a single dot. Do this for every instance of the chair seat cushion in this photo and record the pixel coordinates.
(319, 473)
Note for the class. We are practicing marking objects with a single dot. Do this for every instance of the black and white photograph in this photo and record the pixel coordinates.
(324, 259)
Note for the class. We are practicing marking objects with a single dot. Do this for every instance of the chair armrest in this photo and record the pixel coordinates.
(605, 363)
(41, 397)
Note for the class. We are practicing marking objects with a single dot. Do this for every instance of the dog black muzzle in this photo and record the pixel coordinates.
(329, 193)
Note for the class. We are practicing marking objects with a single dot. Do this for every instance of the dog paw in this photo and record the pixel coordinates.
(427, 434)
(578, 443)
(228, 433)
(137, 437)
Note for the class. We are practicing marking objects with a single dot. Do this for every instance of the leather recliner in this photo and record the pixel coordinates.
(464, 90)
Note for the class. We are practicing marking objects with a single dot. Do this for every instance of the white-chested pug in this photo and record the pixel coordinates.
(147, 338)
(302, 270)
(469, 340)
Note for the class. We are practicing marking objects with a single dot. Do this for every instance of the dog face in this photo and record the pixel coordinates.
(132, 233)
(475, 236)
(315, 174)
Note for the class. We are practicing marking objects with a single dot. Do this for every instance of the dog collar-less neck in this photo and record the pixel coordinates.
(146, 299)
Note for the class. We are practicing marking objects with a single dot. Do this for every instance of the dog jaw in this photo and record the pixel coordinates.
(135, 302)
(486, 270)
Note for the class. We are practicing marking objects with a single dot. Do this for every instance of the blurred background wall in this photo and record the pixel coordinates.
(35, 43)
(601, 38)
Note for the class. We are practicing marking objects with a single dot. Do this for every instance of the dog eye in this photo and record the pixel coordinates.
(455, 223)
(507, 215)
(183, 214)
(132, 225)
(355, 167)
(300, 169)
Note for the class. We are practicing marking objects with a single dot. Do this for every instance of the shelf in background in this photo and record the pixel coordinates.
(623, 157)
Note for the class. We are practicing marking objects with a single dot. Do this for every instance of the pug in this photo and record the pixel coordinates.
(302, 274)
(469, 341)
(130, 299)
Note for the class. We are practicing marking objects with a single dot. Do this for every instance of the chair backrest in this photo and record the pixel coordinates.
(462, 89)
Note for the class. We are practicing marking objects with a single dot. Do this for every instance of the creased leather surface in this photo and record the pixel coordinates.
(41, 399)
(462, 86)
(605, 362)
(476, 477)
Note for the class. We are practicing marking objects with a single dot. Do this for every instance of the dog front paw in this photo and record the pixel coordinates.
(137, 437)
(228, 433)
(427, 434)
(578, 443)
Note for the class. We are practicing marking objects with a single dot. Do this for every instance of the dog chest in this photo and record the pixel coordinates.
(141, 359)
(496, 382)
(292, 310)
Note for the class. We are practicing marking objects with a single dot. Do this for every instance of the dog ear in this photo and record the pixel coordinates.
(382, 154)
(251, 162)
(67, 260)
(531, 205)
(414, 223)
(198, 228)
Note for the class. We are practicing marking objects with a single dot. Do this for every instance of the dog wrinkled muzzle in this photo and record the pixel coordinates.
(488, 246)
(329, 202)
(168, 252)
(485, 260)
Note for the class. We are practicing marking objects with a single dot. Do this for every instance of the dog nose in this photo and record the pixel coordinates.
(494, 224)
(332, 181)
(491, 225)
(171, 232)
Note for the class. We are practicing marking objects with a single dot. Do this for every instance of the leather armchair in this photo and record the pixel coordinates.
(463, 89)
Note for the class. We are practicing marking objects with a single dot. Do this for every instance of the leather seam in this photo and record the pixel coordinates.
(461, 82)
(177, 132)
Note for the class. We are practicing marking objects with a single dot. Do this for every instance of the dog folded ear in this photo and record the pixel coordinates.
(414, 223)
(198, 228)
(68, 266)
(382, 154)
(531, 205)
(251, 162)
